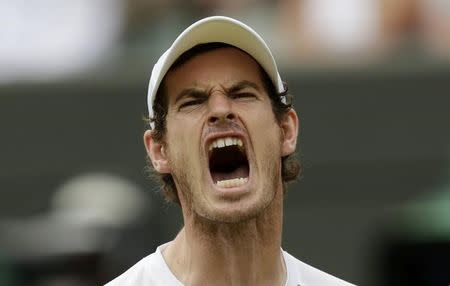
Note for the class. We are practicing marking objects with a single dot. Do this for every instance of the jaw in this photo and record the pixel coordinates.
(236, 204)
(234, 193)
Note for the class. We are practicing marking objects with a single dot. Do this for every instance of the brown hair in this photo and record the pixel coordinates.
(290, 169)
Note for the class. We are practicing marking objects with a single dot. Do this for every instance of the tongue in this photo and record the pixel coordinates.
(239, 172)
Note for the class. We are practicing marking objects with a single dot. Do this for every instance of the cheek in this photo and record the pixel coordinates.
(266, 128)
(266, 137)
(182, 143)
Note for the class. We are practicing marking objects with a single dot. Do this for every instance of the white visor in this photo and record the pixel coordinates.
(209, 30)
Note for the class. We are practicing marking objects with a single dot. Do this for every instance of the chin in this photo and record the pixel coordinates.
(235, 211)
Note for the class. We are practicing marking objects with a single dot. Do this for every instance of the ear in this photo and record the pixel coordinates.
(157, 153)
(289, 127)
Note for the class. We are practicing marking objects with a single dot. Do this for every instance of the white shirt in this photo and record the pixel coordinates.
(154, 271)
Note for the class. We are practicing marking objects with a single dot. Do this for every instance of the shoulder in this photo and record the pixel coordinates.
(151, 270)
(300, 273)
(138, 274)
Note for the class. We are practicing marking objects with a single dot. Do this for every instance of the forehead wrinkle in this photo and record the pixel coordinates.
(206, 89)
(236, 87)
(233, 88)
(220, 89)
(197, 91)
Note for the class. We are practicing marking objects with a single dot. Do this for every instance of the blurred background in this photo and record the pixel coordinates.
(371, 80)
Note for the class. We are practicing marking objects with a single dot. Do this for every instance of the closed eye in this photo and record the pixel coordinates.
(243, 95)
(191, 103)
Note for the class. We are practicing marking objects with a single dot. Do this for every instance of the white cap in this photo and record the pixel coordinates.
(208, 30)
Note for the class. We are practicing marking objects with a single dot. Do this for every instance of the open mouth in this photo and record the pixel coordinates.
(228, 163)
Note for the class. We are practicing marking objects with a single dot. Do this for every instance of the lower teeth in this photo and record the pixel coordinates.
(232, 183)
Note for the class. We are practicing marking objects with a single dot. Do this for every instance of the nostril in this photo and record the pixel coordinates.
(230, 116)
(221, 119)
(213, 119)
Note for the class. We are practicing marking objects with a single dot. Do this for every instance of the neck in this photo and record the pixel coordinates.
(243, 253)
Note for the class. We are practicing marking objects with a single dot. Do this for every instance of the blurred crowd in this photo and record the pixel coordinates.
(49, 39)
(324, 31)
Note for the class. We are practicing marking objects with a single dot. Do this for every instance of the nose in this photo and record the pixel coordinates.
(221, 110)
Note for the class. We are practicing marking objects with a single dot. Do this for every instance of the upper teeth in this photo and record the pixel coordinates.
(227, 141)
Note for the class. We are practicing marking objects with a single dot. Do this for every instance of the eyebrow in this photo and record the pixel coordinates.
(191, 92)
(242, 85)
(195, 92)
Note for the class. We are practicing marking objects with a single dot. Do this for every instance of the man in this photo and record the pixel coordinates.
(222, 132)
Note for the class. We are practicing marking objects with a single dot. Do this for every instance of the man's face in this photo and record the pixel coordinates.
(223, 144)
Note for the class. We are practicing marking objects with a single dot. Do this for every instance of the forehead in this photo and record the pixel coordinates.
(221, 66)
